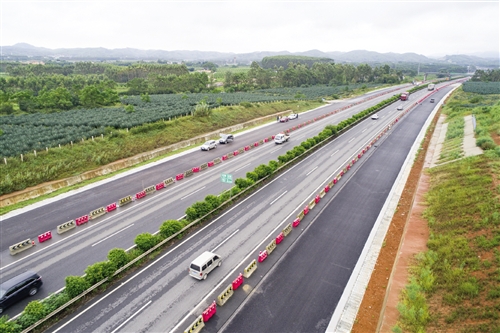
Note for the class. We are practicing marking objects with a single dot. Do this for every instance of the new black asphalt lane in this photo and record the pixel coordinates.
(302, 291)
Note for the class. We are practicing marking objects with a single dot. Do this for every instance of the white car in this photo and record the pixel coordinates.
(293, 116)
(400, 108)
(210, 144)
(375, 116)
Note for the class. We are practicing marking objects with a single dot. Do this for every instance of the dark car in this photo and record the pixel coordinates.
(18, 288)
(432, 100)
(226, 138)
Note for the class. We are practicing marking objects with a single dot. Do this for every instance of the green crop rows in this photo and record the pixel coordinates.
(483, 88)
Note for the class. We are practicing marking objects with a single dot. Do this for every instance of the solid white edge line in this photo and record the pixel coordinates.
(282, 194)
(130, 318)
(102, 240)
(225, 240)
(201, 188)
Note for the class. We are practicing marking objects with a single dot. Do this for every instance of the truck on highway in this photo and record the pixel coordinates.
(431, 86)
(405, 96)
(280, 138)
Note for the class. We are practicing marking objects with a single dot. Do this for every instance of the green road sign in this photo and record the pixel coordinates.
(226, 178)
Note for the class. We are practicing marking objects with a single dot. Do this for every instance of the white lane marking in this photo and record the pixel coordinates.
(300, 136)
(364, 130)
(132, 316)
(351, 140)
(242, 167)
(334, 153)
(201, 188)
(282, 194)
(102, 240)
(311, 171)
(272, 151)
(225, 240)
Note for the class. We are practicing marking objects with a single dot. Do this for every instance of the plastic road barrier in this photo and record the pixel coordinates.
(327, 188)
(296, 222)
(237, 282)
(225, 295)
(168, 181)
(217, 160)
(195, 169)
(111, 207)
(203, 166)
(300, 216)
(140, 195)
(150, 189)
(159, 186)
(209, 312)
(256, 144)
(306, 210)
(262, 141)
(271, 246)
(82, 219)
(66, 226)
(247, 272)
(195, 326)
(210, 164)
(45, 236)
(262, 256)
(97, 212)
(224, 157)
(229, 156)
(287, 229)
(21, 246)
(247, 148)
(317, 198)
(280, 238)
(179, 176)
(241, 151)
(124, 201)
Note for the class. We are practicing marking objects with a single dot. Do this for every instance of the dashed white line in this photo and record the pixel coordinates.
(351, 140)
(311, 171)
(130, 318)
(364, 130)
(242, 167)
(201, 188)
(282, 194)
(225, 240)
(102, 240)
(334, 153)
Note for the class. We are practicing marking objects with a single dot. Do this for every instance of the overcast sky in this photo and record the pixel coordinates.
(431, 28)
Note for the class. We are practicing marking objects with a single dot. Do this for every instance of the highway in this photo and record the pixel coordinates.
(162, 297)
(71, 253)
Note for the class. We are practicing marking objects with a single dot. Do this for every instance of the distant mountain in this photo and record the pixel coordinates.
(23, 51)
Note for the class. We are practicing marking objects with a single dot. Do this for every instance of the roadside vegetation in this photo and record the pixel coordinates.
(454, 285)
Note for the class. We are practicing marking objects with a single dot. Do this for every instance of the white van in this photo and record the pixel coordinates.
(204, 264)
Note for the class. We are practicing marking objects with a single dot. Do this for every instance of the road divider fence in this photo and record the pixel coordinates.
(44, 237)
(225, 295)
(262, 255)
(238, 282)
(248, 271)
(66, 226)
(126, 200)
(279, 238)
(140, 195)
(287, 229)
(111, 207)
(271, 246)
(209, 312)
(195, 326)
(82, 219)
(168, 181)
(150, 189)
(97, 212)
(21, 246)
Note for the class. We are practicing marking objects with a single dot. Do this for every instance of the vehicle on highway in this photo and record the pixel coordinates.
(399, 108)
(18, 288)
(204, 264)
(283, 119)
(432, 100)
(210, 144)
(226, 138)
(405, 96)
(431, 86)
(293, 116)
(375, 116)
(280, 138)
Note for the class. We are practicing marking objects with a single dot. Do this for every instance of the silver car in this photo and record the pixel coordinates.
(210, 144)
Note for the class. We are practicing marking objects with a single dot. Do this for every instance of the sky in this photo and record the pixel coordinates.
(430, 28)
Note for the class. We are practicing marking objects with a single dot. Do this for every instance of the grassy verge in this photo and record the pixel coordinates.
(454, 285)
